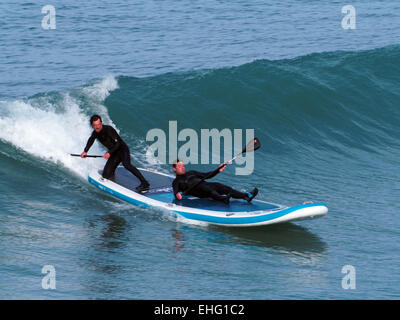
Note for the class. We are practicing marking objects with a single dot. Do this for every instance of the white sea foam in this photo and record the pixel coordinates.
(52, 130)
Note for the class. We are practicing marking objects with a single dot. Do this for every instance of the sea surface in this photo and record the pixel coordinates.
(323, 100)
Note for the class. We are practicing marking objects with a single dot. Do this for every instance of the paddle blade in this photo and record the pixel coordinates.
(252, 145)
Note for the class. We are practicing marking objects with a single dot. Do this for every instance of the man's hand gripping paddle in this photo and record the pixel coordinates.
(253, 145)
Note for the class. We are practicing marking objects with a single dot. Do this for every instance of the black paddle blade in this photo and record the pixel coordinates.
(252, 145)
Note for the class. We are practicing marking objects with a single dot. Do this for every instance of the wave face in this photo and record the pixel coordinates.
(329, 103)
(335, 101)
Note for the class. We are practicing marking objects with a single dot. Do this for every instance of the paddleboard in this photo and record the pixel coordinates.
(238, 213)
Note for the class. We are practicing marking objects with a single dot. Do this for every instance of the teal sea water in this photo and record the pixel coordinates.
(322, 100)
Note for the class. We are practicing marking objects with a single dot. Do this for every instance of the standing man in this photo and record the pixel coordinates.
(118, 151)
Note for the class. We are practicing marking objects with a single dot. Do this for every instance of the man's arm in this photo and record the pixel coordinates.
(175, 188)
(90, 142)
(210, 174)
(114, 135)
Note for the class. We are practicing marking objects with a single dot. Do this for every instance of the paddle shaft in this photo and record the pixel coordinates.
(87, 156)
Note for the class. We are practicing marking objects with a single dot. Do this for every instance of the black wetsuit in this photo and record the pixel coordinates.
(118, 150)
(214, 190)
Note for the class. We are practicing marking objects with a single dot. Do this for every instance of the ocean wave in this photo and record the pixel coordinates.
(332, 102)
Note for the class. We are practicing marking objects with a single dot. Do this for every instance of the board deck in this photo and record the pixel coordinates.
(236, 213)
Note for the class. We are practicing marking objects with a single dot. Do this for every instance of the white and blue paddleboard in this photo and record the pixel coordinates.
(238, 213)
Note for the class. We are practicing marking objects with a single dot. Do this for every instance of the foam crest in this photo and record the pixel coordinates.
(51, 127)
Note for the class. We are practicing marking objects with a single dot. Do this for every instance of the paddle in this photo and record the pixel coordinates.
(87, 156)
(253, 145)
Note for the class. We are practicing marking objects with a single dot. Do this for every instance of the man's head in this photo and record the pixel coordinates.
(96, 123)
(178, 167)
